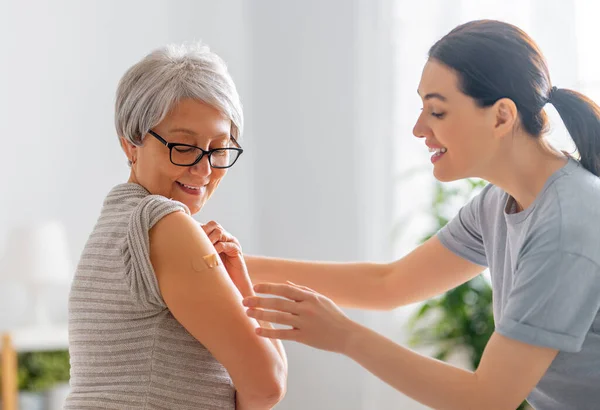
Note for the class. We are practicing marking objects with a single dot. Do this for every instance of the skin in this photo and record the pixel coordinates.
(488, 143)
(190, 122)
(207, 302)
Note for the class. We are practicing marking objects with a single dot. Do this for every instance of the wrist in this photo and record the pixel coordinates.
(352, 337)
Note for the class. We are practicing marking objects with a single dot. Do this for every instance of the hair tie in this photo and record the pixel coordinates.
(551, 94)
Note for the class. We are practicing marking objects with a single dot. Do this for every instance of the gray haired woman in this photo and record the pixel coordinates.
(155, 319)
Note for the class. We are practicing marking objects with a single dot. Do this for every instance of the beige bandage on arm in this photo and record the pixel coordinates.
(202, 263)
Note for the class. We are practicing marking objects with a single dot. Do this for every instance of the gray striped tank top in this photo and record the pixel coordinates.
(127, 350)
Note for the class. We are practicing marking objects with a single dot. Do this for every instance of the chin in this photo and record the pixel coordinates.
(445, 176)
(195, 207)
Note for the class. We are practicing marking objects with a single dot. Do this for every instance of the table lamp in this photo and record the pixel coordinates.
(37, 256)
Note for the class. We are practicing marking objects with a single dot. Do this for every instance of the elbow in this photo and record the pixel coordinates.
(275, 393)
(275, 389)
(484, 396)
(271, 391)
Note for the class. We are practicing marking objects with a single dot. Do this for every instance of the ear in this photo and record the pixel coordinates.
(129, 149)
(505, 116)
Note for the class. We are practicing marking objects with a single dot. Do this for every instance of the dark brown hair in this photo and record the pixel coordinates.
(497, 60)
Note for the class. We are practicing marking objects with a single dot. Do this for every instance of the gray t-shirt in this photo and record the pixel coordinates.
(545, 269)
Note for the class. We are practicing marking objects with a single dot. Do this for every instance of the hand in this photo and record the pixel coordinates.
(230, 252)
(315, 320)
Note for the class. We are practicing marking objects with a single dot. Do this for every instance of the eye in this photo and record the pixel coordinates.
(220, 145)
(220, 152)
(183, 149)
(438, 115)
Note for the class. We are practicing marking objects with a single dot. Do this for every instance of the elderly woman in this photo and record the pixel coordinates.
(156, 321)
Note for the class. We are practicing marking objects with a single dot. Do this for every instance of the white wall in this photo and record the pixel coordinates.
(308, 184)
(298, 191)
(60, 67)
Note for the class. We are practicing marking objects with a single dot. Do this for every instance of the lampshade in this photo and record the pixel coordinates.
(16, 309)
(37, 254)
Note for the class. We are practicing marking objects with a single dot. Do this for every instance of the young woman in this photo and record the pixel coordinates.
(536, 226)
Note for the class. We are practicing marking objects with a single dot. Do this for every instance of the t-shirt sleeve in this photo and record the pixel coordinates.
(462, 235)
(139, 272)
(554, 301)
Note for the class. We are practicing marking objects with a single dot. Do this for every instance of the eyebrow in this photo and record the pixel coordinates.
(433, 95)
(183, 131)
(194, 134)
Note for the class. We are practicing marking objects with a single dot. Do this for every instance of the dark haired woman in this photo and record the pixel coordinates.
(536, 226)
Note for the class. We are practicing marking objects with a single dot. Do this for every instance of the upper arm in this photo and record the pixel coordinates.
(554, 300)
(427, 271)
(537, 323)
(508, 372)
(208, 305)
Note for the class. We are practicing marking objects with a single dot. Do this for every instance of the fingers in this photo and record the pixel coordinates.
(216, 233)
(210, 226)
(282, 305)
(273, 317)
(281, 334)
(228, 248)
(301, 287)
(216, 236)
(292, 292)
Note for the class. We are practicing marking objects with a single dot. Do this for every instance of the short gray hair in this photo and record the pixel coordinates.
(153, 86)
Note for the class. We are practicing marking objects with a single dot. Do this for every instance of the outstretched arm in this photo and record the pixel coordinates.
(427, 271)
(508, 371)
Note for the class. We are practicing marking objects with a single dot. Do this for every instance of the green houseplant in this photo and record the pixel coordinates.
(40, 371)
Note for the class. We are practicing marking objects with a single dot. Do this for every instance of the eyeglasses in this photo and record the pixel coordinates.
(185, 155)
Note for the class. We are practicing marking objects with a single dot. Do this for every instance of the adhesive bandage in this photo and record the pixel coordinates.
(205, 262)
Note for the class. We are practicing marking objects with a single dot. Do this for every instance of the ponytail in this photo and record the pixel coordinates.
(581, 117)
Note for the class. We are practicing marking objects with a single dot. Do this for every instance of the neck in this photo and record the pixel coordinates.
(523, 168)
(132, 177)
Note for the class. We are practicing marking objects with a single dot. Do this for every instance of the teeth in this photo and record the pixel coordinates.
(438, 150)
(191, 187)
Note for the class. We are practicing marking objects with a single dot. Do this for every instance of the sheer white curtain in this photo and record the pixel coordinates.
(565, 30)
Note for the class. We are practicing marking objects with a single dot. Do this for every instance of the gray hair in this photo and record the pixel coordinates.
(153, 86)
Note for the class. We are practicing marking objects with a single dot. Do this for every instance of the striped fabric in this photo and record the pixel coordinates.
(127, 350)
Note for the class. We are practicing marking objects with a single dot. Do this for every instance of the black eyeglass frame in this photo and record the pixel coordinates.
(172, 145)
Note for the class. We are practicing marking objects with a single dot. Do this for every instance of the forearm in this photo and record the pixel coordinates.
(278, 346)
(354, 285)
(429, 381)
(248, 291)
(276, 343)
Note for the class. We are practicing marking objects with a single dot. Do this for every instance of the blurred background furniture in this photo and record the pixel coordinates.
(35, 275)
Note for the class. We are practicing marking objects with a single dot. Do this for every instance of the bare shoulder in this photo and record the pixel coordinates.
(176, 234)
(183, 258)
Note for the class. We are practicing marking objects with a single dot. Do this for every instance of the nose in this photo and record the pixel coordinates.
(421, 129)
(202, 168)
